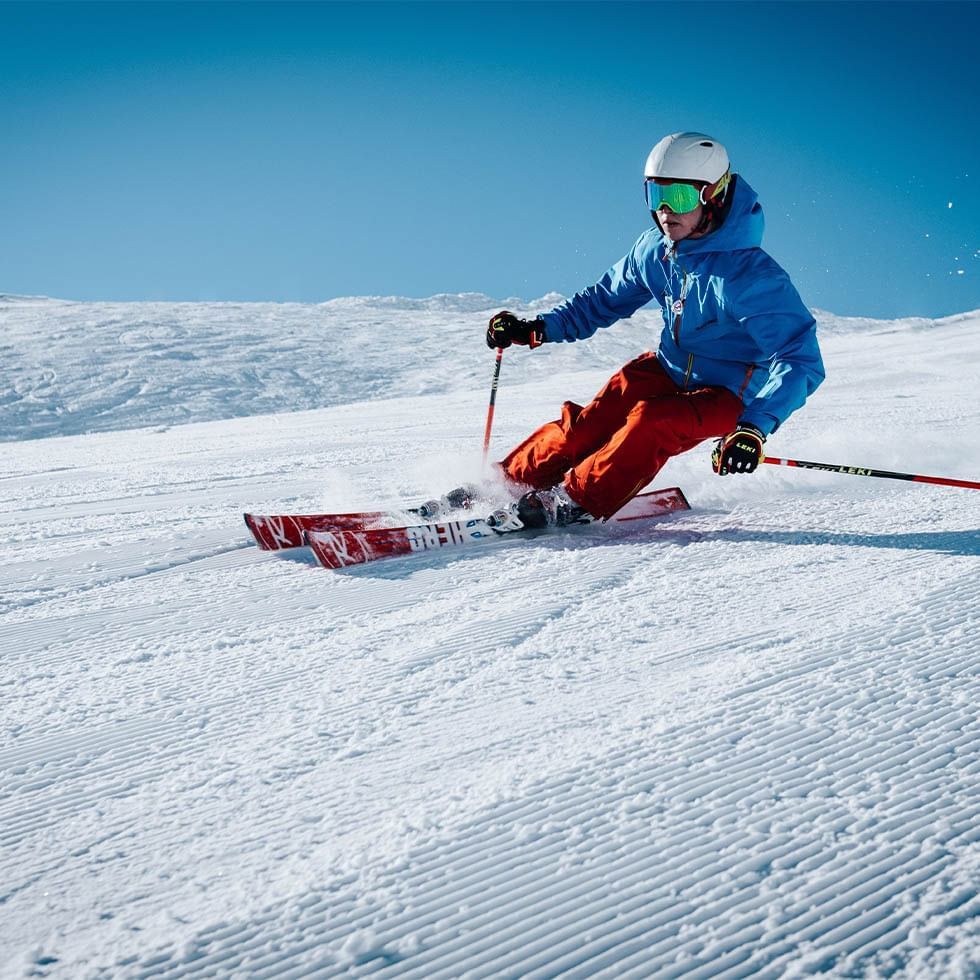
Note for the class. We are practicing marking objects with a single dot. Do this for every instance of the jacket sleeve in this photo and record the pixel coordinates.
(618, 294)
(772, 313)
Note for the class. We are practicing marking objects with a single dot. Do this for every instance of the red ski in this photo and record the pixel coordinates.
(338, 548)
(273, 532)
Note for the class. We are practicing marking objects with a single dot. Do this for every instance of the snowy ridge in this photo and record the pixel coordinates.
(98, 367)
(829, 324)
(741, 742)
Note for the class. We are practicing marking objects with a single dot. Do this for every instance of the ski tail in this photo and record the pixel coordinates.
(274, 532)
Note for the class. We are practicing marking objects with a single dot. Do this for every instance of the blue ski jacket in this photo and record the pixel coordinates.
(732, 318)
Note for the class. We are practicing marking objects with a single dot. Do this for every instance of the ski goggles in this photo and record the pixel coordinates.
(682, 197)
(679, 197)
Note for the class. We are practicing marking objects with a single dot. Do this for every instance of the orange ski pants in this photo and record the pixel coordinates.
(608, 451)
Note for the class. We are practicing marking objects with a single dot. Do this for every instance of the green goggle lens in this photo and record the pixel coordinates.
(680, 198)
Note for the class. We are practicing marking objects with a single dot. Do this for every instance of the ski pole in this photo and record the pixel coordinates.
(942, 481)
(493, 400)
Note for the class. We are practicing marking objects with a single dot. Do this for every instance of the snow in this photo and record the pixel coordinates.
(740, 742)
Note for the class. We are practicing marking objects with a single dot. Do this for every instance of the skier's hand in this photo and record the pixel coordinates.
(738, 452)
(506, 329)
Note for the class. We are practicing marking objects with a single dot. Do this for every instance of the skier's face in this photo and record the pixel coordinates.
(677, 227)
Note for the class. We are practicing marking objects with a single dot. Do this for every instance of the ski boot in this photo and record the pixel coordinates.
(540, 509)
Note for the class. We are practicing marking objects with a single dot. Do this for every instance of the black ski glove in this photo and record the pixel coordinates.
(738, 452)
(506, 329)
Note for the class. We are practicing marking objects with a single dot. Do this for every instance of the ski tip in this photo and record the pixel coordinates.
(685, 503)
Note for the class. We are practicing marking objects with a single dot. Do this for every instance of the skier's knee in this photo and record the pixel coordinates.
(569, 413)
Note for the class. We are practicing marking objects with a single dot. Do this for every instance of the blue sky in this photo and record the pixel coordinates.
(302, 152)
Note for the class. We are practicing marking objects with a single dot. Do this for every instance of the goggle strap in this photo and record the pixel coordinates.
(716, 188)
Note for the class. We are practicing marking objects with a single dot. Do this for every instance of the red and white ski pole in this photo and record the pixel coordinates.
(942, 481)
(493, 401)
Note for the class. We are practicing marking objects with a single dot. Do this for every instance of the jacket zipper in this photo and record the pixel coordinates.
(679, 313)
(677, 326)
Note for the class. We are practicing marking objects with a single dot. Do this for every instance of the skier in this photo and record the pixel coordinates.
(738, 353)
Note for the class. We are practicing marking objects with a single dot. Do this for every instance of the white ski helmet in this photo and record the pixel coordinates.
(688, 156)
